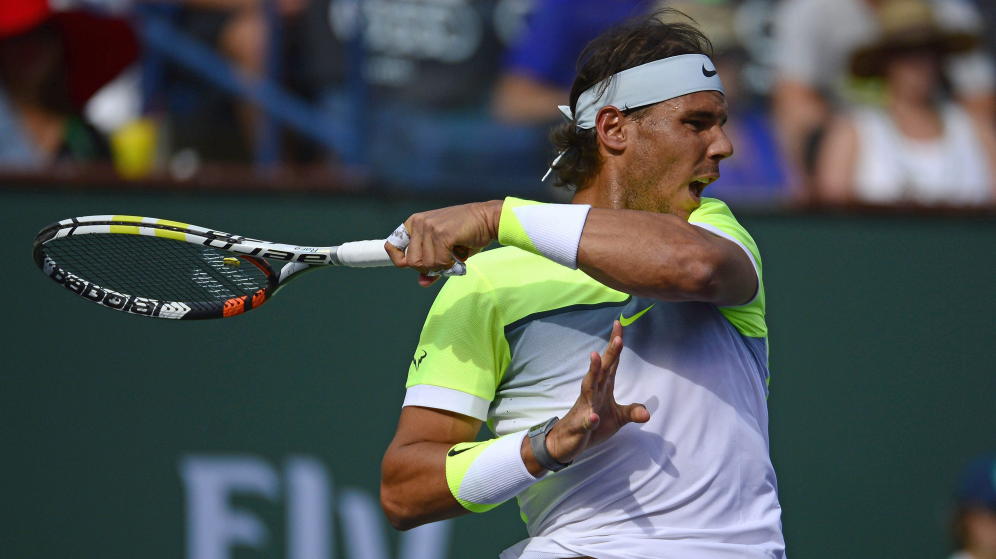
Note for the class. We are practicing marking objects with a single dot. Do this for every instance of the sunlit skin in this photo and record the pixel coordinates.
(657, 154)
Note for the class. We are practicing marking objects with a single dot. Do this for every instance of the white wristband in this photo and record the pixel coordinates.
(550, 230)
(483, 475)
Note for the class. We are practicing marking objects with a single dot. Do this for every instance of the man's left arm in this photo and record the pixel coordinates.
(664, 257)
(642, 253)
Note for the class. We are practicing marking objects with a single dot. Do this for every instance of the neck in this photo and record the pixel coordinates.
(916, 118)
(604, 190)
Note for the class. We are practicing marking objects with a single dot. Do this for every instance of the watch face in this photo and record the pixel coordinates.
(542, 427)
(537, 429)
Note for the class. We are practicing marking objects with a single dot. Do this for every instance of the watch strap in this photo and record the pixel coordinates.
(537, 441)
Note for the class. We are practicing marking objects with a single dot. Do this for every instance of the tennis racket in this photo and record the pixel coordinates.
(167, 269)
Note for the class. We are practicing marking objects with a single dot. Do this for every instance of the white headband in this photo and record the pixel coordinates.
(646, 84)
(643, 85)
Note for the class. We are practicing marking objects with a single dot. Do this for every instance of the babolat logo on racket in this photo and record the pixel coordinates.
(110, 298)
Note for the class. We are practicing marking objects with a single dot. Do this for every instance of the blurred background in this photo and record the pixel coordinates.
(865, 166)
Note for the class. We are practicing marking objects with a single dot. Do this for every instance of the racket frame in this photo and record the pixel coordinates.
(254, 251)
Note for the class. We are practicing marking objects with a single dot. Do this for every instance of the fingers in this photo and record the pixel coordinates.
(396, 254)
(396, 244)
(590, 378)
(420, 245)
(426, 280)
(636, 413)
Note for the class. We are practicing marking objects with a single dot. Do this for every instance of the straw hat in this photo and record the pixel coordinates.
(906, 25)
(96, 48)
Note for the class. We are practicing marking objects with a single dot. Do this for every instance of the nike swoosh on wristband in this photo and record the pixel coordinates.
(627, 321)
(708, 73)
(454, 452)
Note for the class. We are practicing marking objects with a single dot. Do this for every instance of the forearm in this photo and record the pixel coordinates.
(652, 255)
(413, 487)
(434, 470)
(643, 253)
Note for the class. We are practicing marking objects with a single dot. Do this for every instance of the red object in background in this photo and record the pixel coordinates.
(97, 48)
(17, 16)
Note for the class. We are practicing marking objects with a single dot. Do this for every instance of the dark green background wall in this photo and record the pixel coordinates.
(882, 329)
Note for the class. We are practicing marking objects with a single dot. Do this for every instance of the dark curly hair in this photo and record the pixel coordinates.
(625, 46)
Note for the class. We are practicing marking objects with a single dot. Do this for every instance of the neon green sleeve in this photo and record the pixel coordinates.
(716, 217)
(462, 346)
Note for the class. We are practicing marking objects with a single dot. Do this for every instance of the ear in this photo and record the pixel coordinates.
(609, 126)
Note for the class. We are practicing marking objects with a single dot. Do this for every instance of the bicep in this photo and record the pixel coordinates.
(419, 424)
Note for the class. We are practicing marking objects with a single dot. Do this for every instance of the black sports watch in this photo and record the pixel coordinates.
(537, 441)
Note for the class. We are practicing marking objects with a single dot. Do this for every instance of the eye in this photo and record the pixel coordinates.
(697, 124)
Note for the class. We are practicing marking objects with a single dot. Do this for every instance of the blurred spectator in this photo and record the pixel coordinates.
(50, 65)
(539, 65)
(919, 147)
(814, 39)
(974, 527)
(411, 83)
(203, 118)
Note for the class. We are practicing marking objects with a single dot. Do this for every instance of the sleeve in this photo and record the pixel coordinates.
(462, 351)
(715, 217)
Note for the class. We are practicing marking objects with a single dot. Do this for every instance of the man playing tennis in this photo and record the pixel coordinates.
(683, 473)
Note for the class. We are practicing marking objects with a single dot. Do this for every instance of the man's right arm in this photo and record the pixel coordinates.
(414, 483)
(413, 489)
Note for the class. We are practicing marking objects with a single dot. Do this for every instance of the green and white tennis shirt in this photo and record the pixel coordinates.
(508, 344)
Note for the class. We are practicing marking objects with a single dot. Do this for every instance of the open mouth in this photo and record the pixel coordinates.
(698, 185)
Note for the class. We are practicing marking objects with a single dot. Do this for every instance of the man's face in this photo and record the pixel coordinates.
(676, 153)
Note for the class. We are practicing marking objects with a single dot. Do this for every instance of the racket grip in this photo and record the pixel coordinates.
(372, 254)
(363, 254)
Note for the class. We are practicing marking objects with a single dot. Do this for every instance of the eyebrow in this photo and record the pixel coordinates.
(709, 115)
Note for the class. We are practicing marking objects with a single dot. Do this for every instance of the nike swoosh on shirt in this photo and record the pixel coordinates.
(627, 321)
(454, 452)
(708, 73)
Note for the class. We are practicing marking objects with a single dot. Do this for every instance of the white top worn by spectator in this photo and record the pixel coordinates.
(891, 167)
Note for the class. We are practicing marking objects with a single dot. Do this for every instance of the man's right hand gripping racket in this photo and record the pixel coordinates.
(167, 269)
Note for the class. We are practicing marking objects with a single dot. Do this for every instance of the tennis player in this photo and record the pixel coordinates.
(661, 446)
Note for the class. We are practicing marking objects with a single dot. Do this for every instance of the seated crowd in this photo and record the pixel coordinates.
(831, 102)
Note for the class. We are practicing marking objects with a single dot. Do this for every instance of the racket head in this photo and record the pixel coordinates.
(153, 267)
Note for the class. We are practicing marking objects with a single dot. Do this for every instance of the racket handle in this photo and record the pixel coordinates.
(363, 254)
(370, 254)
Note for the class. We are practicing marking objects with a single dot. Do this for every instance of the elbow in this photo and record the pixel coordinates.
(699, 279)
(704, 279)
(398, 513)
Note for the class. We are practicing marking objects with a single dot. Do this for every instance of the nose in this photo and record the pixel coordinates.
(720, 147)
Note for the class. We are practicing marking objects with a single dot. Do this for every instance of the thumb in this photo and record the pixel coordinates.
(637, 413)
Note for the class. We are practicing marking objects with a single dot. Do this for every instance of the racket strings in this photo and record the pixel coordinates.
(156, 268)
